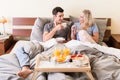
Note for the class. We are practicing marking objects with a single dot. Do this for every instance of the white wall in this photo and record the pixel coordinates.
(43, 8)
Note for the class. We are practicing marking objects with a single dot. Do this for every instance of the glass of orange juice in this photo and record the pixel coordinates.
(61, 59)
(66, 51)
(57, 52)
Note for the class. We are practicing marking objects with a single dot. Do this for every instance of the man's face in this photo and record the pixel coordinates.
(59, 17)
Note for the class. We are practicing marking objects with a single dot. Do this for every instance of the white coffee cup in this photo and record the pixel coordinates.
(64, 25)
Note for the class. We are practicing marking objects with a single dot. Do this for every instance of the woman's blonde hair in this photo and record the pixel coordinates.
(88, 17)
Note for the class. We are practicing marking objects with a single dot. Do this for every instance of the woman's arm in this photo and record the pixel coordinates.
(95, 33)
(96, 37)
(73, 32)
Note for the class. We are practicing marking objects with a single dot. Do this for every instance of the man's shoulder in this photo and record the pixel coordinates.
(49, 24)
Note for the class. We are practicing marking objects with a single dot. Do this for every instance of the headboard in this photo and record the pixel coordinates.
(26, 22)
(22, 21)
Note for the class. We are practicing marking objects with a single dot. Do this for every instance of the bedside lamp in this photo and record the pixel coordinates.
(3, 20)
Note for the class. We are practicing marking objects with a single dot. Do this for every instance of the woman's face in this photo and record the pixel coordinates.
(82, 18)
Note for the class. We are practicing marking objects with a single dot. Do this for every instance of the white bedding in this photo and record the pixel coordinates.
(105, 49)
(105, 66)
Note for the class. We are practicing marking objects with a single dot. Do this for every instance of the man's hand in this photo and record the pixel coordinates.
(59, 27)
(49, 35)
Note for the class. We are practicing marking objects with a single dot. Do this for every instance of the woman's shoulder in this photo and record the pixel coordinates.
(94, 25)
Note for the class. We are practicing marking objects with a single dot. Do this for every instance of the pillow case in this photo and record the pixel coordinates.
(74, 19)
(101, 23)
(37, 29)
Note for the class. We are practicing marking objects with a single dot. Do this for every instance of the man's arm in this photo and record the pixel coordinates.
(49, 35)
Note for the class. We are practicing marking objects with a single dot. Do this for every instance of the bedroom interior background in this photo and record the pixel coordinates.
(31, 8)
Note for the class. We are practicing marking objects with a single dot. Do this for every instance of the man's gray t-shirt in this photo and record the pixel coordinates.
(65, 33)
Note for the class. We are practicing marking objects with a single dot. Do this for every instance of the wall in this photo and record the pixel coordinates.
(42, 8)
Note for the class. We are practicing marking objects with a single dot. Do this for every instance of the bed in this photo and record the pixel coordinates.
(104, 60)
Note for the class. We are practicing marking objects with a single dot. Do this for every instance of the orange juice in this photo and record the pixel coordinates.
(61, 55)
(66, 52)
(57, 53)
(60, 59)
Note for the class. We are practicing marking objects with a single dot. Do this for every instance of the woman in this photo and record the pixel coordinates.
(85, 30)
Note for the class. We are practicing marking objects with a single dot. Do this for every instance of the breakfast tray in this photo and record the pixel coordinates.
(47, 66)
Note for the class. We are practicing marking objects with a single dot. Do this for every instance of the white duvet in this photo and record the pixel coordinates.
(75, 43)
(105, 49)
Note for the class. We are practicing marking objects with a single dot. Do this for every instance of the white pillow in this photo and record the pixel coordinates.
(101, 23)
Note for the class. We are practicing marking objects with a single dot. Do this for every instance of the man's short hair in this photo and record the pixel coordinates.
(56, 10)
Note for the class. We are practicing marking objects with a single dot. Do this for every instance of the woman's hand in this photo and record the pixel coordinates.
(73, 32)
(73, 29)
(84, 26)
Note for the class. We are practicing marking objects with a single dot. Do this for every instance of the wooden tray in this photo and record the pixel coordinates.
(58, 68)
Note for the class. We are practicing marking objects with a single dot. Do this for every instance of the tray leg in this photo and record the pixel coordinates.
(35, 75)
(89, 74)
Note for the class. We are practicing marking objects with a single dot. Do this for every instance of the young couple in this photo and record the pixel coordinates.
(84, 30)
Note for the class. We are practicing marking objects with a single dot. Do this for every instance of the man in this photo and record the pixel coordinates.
(55, 28)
